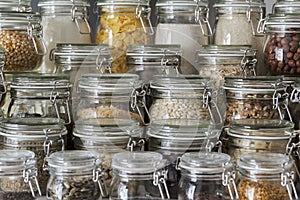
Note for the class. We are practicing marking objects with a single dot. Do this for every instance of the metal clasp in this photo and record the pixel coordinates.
(209, 105)
(228, 177)
(287, 180)
(138, 100)
(133, 143)
(30, 29)
(2, 78)
(30, 178)
(295, 96)
(103, 64)
(75, 19)
(165, 62)
(159, 179)
(203, 20)
(250, 63)
(98, 177)
(139, 11)
(250, 20)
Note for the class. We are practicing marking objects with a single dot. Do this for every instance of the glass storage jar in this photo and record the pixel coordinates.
(18, 175)
(174, 137)
(261, 97)
(121, 23)
(40, 135)
(153, 59)
(108, 96)
(15, 6)
(186, 23)
(237, 23)
(282, 48)
(206, 175)
(266, 175)
(21, 38)
(75, 175)
(260, 135)
(218, 61)
(138, 175)
(40, 95)
(183, 97)
(107, 137)
(63, 21)
(76, 59)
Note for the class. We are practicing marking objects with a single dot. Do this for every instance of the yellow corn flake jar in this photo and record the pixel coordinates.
(122, 23)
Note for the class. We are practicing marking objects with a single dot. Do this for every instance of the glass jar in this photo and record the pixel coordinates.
(121, 23)
(138, 175)
(267, 175)
(183, 97)
(40, 135)
(186, 23)
(219, 61)
(107, 137)
(286, 6)
(237, 23)
(76, 59)
(75, 175)
(21, 38)
(153, 59)
(18, 175)
(108, 96)
(259, 135)
(63, 21)
(282, 52)
(206, 175)
(40, 95)
(174, 137)
(15, 6)
(258, 97)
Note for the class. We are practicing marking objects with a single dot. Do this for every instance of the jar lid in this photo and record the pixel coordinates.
(286, 6)
(106, 128)
(95, 85)
(205, 162)
(186, 83)
(16, 160)
(32, 128)
(182, 129)
(79, 54)
(239, 3)
(288, 21)
(256, 84)
(265, 163)
(20, 21)
(74, 159)
(123, 2)
(15, 5)
(261, 129)
(78, 7)
(138, 162)
(170, 6)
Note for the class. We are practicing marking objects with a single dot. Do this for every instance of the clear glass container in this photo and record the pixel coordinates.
(261, 97)
(40, 135)
(21, 38)
(259, 135)
(107, 137)
(121, 23)
(219, 61)
(75, 175)
(15, 6)
(266, 175)
(138, 175)
(63, 21)
(76, 59)
(40, 95)
(18, 175)
(282, 48)
(206, 175)
(153, 59)
(183, 97)
(185, 23)
(286, 6)
(174, 137)
(108, 96)
(237, 23)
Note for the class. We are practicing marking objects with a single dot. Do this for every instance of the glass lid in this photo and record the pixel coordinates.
(15, 5)
(225, 51)
(16, 158)
(204, 162)
(286, 6)
(123, 2)
(181, 3)
(288, 20)
(20, 20)
(271, 129)
(63, 6)
(239, 3)
(138, 162)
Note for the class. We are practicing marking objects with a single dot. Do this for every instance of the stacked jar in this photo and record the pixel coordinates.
(186, 23)
(121, 23)
(237, 22)
(174, 137)
(63, 21)
(40, 135)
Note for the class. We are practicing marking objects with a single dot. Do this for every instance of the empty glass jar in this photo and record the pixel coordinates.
(205, 175)
(138, 175)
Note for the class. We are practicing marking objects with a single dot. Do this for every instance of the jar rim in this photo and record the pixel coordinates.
(123, 3)
(16, 160)
(16, 5)
(226, 51)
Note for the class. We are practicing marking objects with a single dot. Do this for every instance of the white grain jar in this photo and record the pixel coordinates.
(63, 21)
